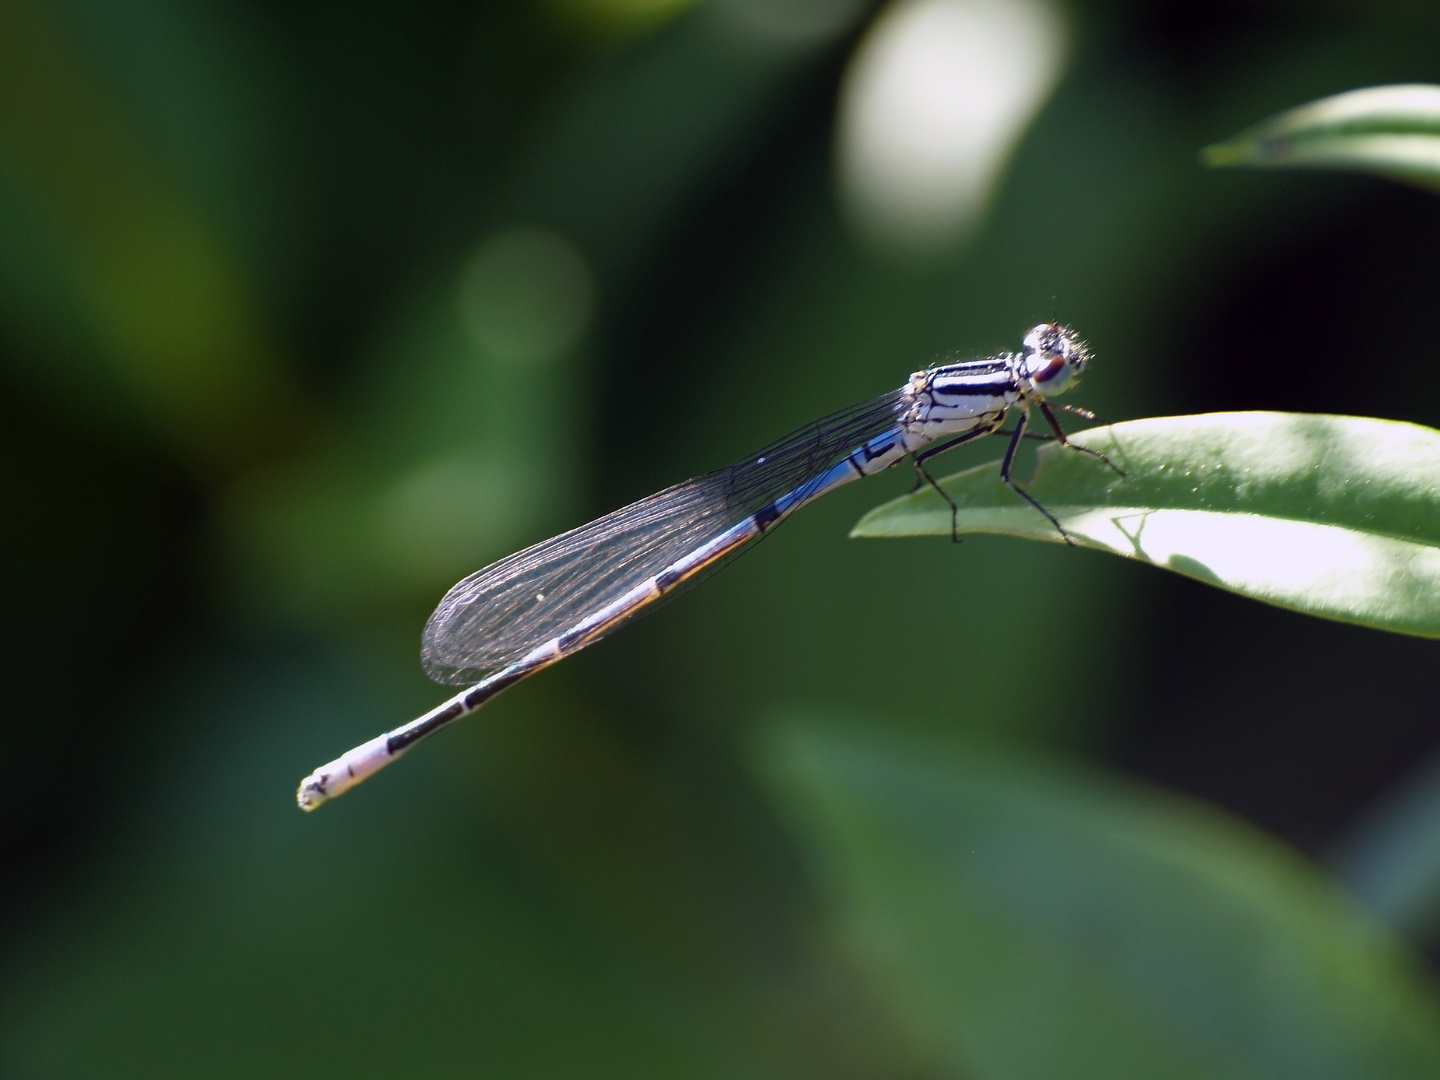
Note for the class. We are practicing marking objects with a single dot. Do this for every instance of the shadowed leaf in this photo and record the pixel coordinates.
(1030, 919)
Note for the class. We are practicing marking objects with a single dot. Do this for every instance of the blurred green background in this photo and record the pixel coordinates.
(309, 309)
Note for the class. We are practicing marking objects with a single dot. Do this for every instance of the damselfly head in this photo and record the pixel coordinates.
(1054, 358)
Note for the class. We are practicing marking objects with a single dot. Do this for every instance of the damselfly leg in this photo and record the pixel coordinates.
(922, 474)
(1060, 434)
(1009, 460)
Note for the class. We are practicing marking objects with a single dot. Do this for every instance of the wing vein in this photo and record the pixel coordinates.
(503, 611)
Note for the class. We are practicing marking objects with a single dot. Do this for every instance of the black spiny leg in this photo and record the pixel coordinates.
(922, 474)
(1015, 438)
(1060, 435)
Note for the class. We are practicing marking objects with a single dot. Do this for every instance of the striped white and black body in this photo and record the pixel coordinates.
(525, 612)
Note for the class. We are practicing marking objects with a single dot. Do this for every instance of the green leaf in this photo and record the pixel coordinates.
(1027, 919)
(1393, 131)
(1334, 516)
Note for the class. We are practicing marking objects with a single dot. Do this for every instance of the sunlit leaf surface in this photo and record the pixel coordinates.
(1032, 920)
(1390, 130)
(1330, 515)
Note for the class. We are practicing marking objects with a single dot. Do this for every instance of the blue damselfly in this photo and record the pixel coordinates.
(528, 610)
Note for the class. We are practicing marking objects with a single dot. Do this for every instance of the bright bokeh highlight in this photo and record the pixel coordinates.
(937, 95)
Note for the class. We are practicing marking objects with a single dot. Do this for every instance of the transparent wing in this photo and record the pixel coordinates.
(497, 615)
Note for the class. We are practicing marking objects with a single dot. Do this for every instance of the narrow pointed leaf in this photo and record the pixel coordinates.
(1333, 516)
(1392, 131)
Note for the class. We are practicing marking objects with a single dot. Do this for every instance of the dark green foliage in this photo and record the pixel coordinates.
(307, 310)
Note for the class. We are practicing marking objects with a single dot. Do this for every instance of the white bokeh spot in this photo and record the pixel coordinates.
(935, 98)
